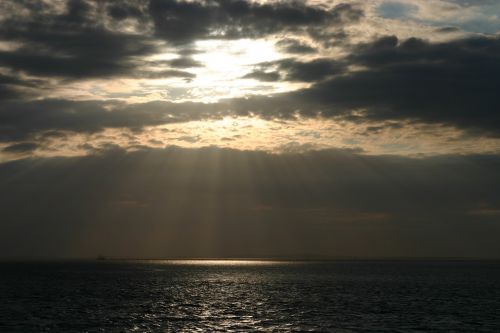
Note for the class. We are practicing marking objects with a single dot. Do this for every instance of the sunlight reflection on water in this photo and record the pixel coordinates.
(222, 262)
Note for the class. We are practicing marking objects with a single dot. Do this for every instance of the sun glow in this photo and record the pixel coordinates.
(224, 65)
(228, 57)
(221, 262)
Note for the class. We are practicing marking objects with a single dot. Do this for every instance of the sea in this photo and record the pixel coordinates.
(250, 296)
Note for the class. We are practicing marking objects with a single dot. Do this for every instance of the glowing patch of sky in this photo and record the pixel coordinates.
(224, 65)
(248, 133)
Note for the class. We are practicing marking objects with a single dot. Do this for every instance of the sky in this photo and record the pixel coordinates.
(239, 128)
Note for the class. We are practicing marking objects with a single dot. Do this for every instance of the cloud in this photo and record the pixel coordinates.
(294, 46)
(22, 120)
(182, 22)
(164, 74)
(12, 87)
(452, 83)
(447, 30)
(185, 62)
(23, 147)
(295, 70)
(91, 39)
(263, 76)
(189, 138)
(87, 60)
(323, 202)
(121, 10)
(72, 43)
(8, 90)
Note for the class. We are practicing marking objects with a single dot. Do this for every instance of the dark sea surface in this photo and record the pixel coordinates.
(234, 296)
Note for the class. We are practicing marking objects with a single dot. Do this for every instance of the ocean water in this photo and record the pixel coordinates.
(246, 296)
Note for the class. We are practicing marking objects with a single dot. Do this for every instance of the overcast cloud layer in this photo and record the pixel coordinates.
(211, 202)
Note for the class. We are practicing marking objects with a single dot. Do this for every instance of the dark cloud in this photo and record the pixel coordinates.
(23, 147)
(12, 87)
(314, 70)
(184, 62)
(328, 39)
(7, 91)
(295, 47)
(72, 44)
(11, 80)
(453, 83)
(347, 13)
(22, 120)
(263, 76)
(182, 22)
(448, 29)
(295, 70)
(164, 74)
(121, 10)
(86, 61)
(168, 202)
